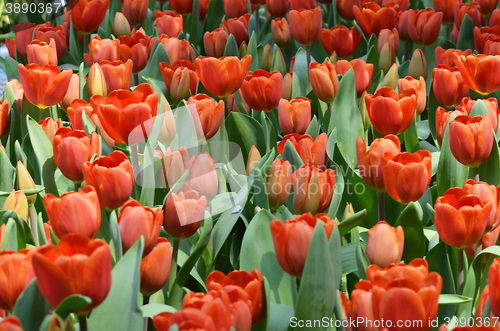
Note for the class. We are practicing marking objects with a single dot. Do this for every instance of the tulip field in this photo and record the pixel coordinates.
(237, 165)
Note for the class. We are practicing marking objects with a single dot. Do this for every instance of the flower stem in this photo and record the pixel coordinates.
(475, 174)
(184, 26)
(136, 79)
(308, 51)
(82, 320)
(34, 229)
(330, 109)
(145, 301)
(77, 186)
(86, 42)
(173, 268)
(460, 271)
(381, 206)
(41, 113)
(257, 22)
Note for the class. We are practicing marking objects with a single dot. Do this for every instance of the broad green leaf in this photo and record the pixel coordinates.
(351, 222)
(231, 48)
(489, 171)
(466, 34)
(411, 138)
(411, 222)
(246, 132)
(362, 261)
(71, 304)
(280, 317)
(214, 15)
(349, 261)
(152, 309)
(9, 239)
(292, 156)
(31, 307)
(452, 299)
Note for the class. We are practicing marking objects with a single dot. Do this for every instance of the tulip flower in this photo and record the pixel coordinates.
(215, 42)
(471, 139)
(135, 11)
(306, 25)
(345, 8)
(324, 80)
(445, 56)
(169, 128)
(182, 7)
(291, 240)
(235, 8)
(389, 112)
(472, 9)
(206, 114)
(371, 164)
(202, 176)
(385, 244)
(76, 265)
(16, 273)
(250, 283)
(44, 86)
(183, 213)
(312, 189)
(494, 288)
(407, 175)
(424, 26)
(168, 23)
(419, 86)
(310, 151)
(10, 43)
(448, 85)
(467, 104)
(190, 317)
(294, 116)
(267, 60)
(155, 267)
(442, 119)
(4, 116)
(476, 71)
(222, 76)
(136, 221)
(391, 37)
(41, 53)
(262, 90)
(340, 40)
(135, 48)
(18, 90)
(486, 193)
(87, 15)
(373, 18)
(169, 71)
(278, 183)
(362, 72)
(177, 49)
(277, 8)
(117, 75)
(447, 7)
(75, 111)
(302, 4)
(10, 323)
(487, 6)
(238, 27)
(123, 111)
(175, 164)
(102, 49)
(113, 178)
(461, 218)
(253, 158)
(481, 35)
(58, 34)
(17, 202)
(121, 26)
(72, 93)
(96, 81)
(280, 31)
(24, 181)
(50, 127)
(24, 36)
(495, 17)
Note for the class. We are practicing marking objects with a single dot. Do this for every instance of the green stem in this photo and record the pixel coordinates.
(173, 268)
(41, 113)
(257, 22)
(330, 109)
(82, 320)
(86, 42)
(460, 271)
(308, 52)
(145, 301)
(161, 6)
(135, 161)
(475, 174)
(381, 206)
(34, 229)
(77, 186)
(136, 79)
(184, 26)
(407, 50)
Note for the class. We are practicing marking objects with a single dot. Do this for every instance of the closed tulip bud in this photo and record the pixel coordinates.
(4, 116)
(494, 288)
(238, 27)
(371, 164)
(465, 213)
(96, 81)
(215, 42)
(262, 90)
(135, 11)
(175, 164)
(91, 257)
(121, 27)
(287, 85)
(235, 8)
(118, 75)
(476, 71)
(310, 151)
(471, 139)
(312, 189)
(74, 212)
(280, 32)
(203, 177)
(136, 221)
(391, 77)
(72, 93)
(25, 181)
(362, 73)
(387, 36)
(306, 25)
(206, 114)
(48, 33)
(41, 53)
(424, 26)
(155, 267)
(278, 183)
(18, 90)
(168, 23)
(50, 127)
(385, 244)
(324, 81)
(279, 63)
(180, 85)
(75, 112)
(267, 58)
(348, 211)
(183, 213)
(113, 178)
(387, 58)
(169, 71)
(419, 86)
(295, 115)
(291, 240)
(253, 158)
(243, 50)
(277, 8)
(418, 65)
(407, 175)
(17, 202)
(448, 85)
(364, 113)
(340, 40)
(169, 128)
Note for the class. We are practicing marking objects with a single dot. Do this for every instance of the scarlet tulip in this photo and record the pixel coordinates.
(472, 9)
(278, 183)
(41, 53)
(24, 36)
(75, 111)
(448, 85)
(50, 127)
(277, 8)
(373, 18)
(467, 104)
(324, 81)
(222, 76)
(253, 158)
(487, 6)
(175, 164)
(447, 7)
(486, 193)
(295, 115)
(461, 218)
(495, 17)
(18, 90)
(481, 35)
(202, 176)
(310, 151)
(476, 71)
(215, 42)
(183, 213)
(442, 119)
(235, 8)
(306, 25)
(177, 49)
(280, 32)
(168, 23)
(340, 40)
(345, 8)
(44, 86)
(362, 73)
(424, 26)
(17, 202)
(185, 319)
(291, 240)
(135, 11)
(113, 178)
(173, 75)
(385, 244)
(494, 288)
(72, 93)
(419, 86)
(391, 37)
(312, 189)
(117, 75)
(4, 116)
(389, 112)
(471, 139)
(155, 267)
(206, 114)
(302, 4)
(135, 48)
(238, 27)
(87, 15)
(182, 7)
(371, 164)
(10, 323)
(123, 111)
(262, 90)
(407, 175)
(403, 22)
(74, 212)
(76, 265)
(445, 56)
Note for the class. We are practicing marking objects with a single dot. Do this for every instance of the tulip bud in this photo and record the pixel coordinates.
(18, 90)
(215, 42)
(175, 164)
(203, 177)
(280, 32)
(50, 127)
(324, 81)
(418, 65)
(364, 112)
(334, 57)
(294, 116)
(96, 81)
(183, 213)
(387, 57)
(169, 128)
(57, 323)
(391, 77)
(25, 181)
(348, 211)
(287, 86)
(17, 202)
(278, 183)
(42, 53)
(279, 62)
(385, 244)
(267, 58)
(72, 93)
(121, 27)
(179, 88)
(243, 50)
(155, 267)
(312, 189)
(253, 158)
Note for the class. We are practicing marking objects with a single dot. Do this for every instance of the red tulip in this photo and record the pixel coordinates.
(448, 85)
(494, 288)
(135, 48)
(495, 18)
(341, 40)
(10, 323)
(362, 72)
(4, 116)
(280, 31)
(445, 56)
(476, 71)
(87, 15)
(345, 8)
(135, 11)
(175, 164)
(310, 151)
(155, 267)
(75, 111)
(419, 86)
(182, 7)
(278, 183)
(447, 7)
(24, 36)
(312, 189)
(466, 105)
(385, 244)
(442, 119)
(486, 193)
(253, 158)
(41, 53)
(306, 25)
(324, 81)
(262, 90)
(277, 8)
(472, 9)
(235, 8)
(206, 114)
(302, 4)
(177, 49)
(425, 25)
(481, 35)
(168, 23)
(117, 75)
(46, 33)
(373, 18)
(72, 93)
(391, 37)
(50, 127)
(215, 42)
(294, 116)
(238, 27)
(18, 90)
(185, 319)
(172, 74)
(183, 213)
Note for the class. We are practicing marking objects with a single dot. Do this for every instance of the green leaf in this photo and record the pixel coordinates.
(7, 171)
(152, 309)
(335, 248)
(337, 192)
(195, 27)
(411, 222)
(231, 48)
(71, 304)
(489, 171)
(214, 15)
(300, 84)
(246, 132)
(313, 128)
(31, 307)
(26, 192)
(292, 156)
(452, 299)
(351, 222)
(361, 261)
(349, 260)
(187, 136)
(120, 309)
(11, 69)
(466, 34)
(253, 50)
(9, 240)
(280, 317)
(152, 69)
(263, 323)
(411, 138)
(115, 235)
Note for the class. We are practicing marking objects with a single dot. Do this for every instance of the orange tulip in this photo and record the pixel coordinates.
(169, 71)
(447, 7)
(4, 116)
(76, 265)
(312, 189)
(442, 119)
(425, 25)
(466, 105)
(50, 127)
(182, 7)
(186, 318)
(17, 202)
(481, 35)
(253, 158)
(10, 323)
(291, 240)
(168, 23)
(44, 86)
(419, 86)
(373, 18)
(72, 149)
(302, 4)
(385, 244)
(72, 93)
(371, 164)
(262, 90)
(340, 40)
(177, 49)
(403, 23)
(87, 15)
(476, 71)
(306, 25)
(324, 81)
(362, 72)
(215, 42)
(183, 213)
(206, 114)
(135, 48)
(461, 218)
(390, 37)
(123, 111)
(238, 27)
(113, 178)
(202, 176)
(280, 32)
(407, 175)
(310, 151)
(155, 267)
(10, 43)
(135, 11)
(277, 8)
(117, 75)
(389, 112)
(486, 193)
(345, 8)
(278, 183)
(448, 85)
(445, 56)
(41, 53)
(471, 139)
(472, 9)
(74, 212)
(18, 90)
(175, 164)
(75, 111)
(295, 115)
(222, 76)
(235, 8)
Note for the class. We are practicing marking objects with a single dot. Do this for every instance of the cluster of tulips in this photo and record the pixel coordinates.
(184, 165)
